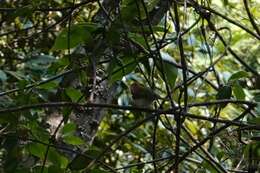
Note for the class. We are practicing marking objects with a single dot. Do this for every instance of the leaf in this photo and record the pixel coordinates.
(224, 92)
(38, 169)
(16, 74)
(38, 132)
(69, 128)
(207, 166)
(169, 70)
(97, 170)
(113, 35)
(73, 94)
(238, 75)
(257, 97)
(73, 140)
(255, 120)
(171, 73)
(238, 91)
(118, 68)
(146, 29)
(192, 126)
(79, 162)
(54, 169)
(129, 10)
(79, 33)
(138, 39)
(225, 2)
(49, 85)
(24, 11)
(37, 150)
(57, 159)
(3, 76)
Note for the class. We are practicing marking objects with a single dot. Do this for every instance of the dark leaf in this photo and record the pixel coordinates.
(79, 33)
(79, 162)
(238, 91)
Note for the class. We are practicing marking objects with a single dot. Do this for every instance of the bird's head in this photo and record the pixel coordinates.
(142, 96)
(136, 89)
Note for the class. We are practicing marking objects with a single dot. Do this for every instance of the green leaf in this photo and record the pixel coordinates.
(238, 91)
(138, 39)
(146, 29)
(69, 128)
(255, 120)
(3, 76)
(257, 97)
(38, 169)
(79, 33)
(128, 11)
(16, 74)
(79, 162)
(224, 92)
(113, 35)
(209, 167)
(54, 169)
(73, 140)
(169, 70)
(73, 94)
(118, 68)
(37, 150)
(49, 85)
(97, 170)
(24, 11)
(171, 73)
(238, 75)
(38, 132)
(57, 159)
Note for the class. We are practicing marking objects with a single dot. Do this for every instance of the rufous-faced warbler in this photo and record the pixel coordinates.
(142, 96)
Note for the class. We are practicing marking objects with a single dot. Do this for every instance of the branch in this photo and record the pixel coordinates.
(212, 134)
(251, 18)
(199, 8)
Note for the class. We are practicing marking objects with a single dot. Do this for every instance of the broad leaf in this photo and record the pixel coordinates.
(79, 162)
(74, 94)
(238, 91)
(238, 75)
(169, 71)
(79, 33)
(69, 128)
(3, 76)
(73, 140)
(118, 68)
(224, 92)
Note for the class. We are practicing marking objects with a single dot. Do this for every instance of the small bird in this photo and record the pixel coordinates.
(142, 96)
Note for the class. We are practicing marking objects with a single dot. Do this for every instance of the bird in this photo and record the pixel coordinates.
(142, 96)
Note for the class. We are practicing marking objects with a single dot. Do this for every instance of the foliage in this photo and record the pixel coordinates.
(201, 58)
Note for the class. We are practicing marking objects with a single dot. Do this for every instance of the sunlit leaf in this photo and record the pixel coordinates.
(37, 150)
(49, 85)
(238, 75)
(74, 94)
(238, 91)
(73, 140)
(69, 128)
